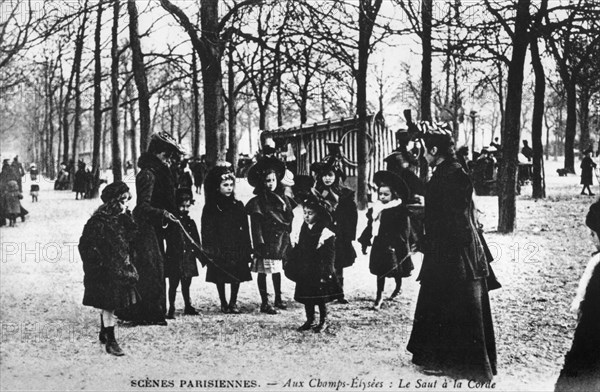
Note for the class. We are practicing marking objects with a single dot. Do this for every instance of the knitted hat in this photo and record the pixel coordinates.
(113, 191)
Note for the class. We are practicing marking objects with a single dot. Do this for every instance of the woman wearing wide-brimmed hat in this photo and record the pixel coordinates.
(587, 172)
(271, 215)
(345, 216)
(453, 331)
(154, 213)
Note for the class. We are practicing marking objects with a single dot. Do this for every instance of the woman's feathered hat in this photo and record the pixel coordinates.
(166, 140)
(258, 171)
(439, 135)
(394, 181)
(331, 165)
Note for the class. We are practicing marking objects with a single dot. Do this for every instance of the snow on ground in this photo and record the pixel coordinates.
(48, 340)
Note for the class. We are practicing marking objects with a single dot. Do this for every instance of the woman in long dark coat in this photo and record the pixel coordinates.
(80, 181)
(106, 252)
(154, 215)
(345, 218)
(587, 172)
(225, 236)
(453, 330)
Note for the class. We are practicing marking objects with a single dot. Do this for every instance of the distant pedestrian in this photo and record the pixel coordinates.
(106, 250)
(12, 202)
(34, 192)
(587, 172)
(33, 172)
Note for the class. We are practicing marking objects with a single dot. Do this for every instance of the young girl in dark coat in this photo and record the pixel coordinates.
(587, 172)
(180, 265)
(225, 236)
(271, 215)
(106, 251)
(11, 201)
(388, 222)
(312, 263)
(345, 217)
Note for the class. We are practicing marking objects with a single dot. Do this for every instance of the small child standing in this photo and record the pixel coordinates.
(12, 202)
(389, 224)
(181, 257)
(271, 215)
(225, 236)
(312, 265)
(106, 250)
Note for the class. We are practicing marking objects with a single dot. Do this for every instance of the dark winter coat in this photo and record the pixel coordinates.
(390, 252)
(181, 256)
(11, 199)
(315, 277)
(226, 237)
(271, 218)
(80, 181)
(345, 218)
(155, 191)
(587, 171)
(581, 370)
(453, 329)
(106, 250)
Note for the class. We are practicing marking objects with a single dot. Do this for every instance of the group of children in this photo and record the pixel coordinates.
(235, 246)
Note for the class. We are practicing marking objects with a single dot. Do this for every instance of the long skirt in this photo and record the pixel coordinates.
(453, 330)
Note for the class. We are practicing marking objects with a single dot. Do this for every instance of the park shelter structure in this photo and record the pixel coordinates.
(308, 143)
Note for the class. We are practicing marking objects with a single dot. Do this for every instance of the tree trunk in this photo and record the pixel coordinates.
(584, 118)
(117, 164)
(232, 152)
(571, 126)
(426, 17)
(537, 120)
(511, 131)
(132, 132)
(196, 108)
(367, 14)
(139, 73)
(97, 105)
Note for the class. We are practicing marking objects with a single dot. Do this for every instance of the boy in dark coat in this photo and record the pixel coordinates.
(180, 263)
(453, 331)
(225, 236)
(106, 251)
(312, 263)
(345, 217)
(389, 223)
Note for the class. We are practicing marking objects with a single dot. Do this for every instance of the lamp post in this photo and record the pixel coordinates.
(473, 114)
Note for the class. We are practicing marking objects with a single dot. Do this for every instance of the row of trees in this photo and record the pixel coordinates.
(85, 77)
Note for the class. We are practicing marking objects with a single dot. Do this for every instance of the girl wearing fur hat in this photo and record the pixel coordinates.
(106, 250)
(271, 215)
(345, 217)
(225, 236)
(312, 263)
(389, 224)
(181, 257)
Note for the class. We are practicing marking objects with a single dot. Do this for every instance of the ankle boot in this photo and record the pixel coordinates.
(102, 334)
(265, 307)
(322, 323)
(112, 347)
(190, 310)
(171, 313)
(233, 309)
(310, 319)
(378, 301)
(279, 303)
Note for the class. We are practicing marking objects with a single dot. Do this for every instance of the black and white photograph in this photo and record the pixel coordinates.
(300, 195)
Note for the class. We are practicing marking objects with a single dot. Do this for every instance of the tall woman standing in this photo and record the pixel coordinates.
(154, 214)
(453, 331)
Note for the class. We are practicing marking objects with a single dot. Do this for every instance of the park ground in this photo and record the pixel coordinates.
(49, 340)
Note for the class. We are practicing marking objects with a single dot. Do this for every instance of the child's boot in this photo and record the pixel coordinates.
(279, 302)
(378, 301)
(102, 334)
(112, 347)
(310, 318)
(322, 319)
(233, 309)
(171, 313)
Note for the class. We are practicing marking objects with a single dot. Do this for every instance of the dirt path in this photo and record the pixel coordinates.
(48, 339)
